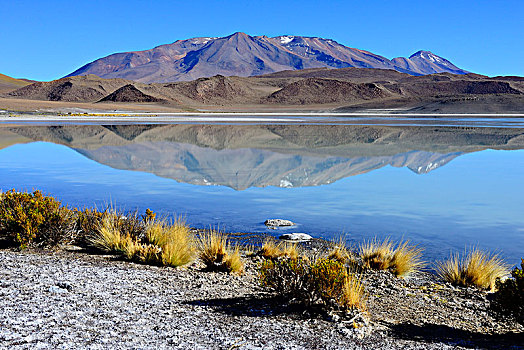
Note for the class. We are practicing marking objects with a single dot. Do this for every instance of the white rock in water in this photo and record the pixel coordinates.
(298, 236)
(278, 222)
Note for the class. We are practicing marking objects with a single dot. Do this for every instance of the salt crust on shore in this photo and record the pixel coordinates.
(66, 300)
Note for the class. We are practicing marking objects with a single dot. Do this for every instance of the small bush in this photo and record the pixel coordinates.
(324, 282)
(475, 268)
(217, 255)
(509, 298)
(27, 218)
(383, 255)
(87, 223)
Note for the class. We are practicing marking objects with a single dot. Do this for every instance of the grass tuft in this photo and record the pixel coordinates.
(217, 255)
(272, 250)
(383, 255)
(474, 268)
(162, 243)
(353, 293)
(339, 251)
(108, 237)
(406, 259)
(234, 263)
(170, 244)
(376, 254)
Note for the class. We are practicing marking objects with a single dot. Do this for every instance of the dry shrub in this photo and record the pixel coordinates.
(27, 218)
(217, 255)
(324, 282)
(383, 255)
(509, 298)
(474, 268)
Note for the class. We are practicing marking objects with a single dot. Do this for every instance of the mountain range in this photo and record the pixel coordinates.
(243, 55)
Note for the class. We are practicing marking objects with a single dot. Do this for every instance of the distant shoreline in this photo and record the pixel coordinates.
(404, 119)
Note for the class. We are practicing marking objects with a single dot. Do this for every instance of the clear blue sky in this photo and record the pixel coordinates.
(46, 40)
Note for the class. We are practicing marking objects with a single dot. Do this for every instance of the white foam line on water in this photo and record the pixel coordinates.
(140, 118)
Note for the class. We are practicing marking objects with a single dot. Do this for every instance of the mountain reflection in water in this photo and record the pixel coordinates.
(246, 156)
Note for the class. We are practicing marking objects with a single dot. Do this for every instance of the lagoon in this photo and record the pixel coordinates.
(442, 187)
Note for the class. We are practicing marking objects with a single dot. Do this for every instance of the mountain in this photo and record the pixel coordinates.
(425, 62)
(243, 55)
(9, 84)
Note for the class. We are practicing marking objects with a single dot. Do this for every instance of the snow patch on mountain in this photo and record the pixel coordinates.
(286, 39)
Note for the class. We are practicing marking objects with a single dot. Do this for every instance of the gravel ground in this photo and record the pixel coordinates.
(70, 300)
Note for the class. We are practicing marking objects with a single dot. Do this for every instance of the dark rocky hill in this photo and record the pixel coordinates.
(348, 89)
(129, 93)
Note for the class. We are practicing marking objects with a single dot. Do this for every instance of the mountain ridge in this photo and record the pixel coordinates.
(240, 54)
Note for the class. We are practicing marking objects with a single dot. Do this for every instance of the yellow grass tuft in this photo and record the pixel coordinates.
(216, 254)
(233, 262)
(213, 248)
(353, 293)
(272, 250)
(339, 251)
(164, 244)
(406, 259)
(290, 250)
(475, 268)
(376, 255)
(383, 255)
(108, 236)
(174, 242)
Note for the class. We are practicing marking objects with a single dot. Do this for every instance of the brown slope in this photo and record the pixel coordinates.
(89, 88)
(355, 75)
(9, 84)
(450, 87)
(314, 90)
(214, 90)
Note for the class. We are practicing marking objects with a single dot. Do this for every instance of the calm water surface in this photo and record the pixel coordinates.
(441, 187)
